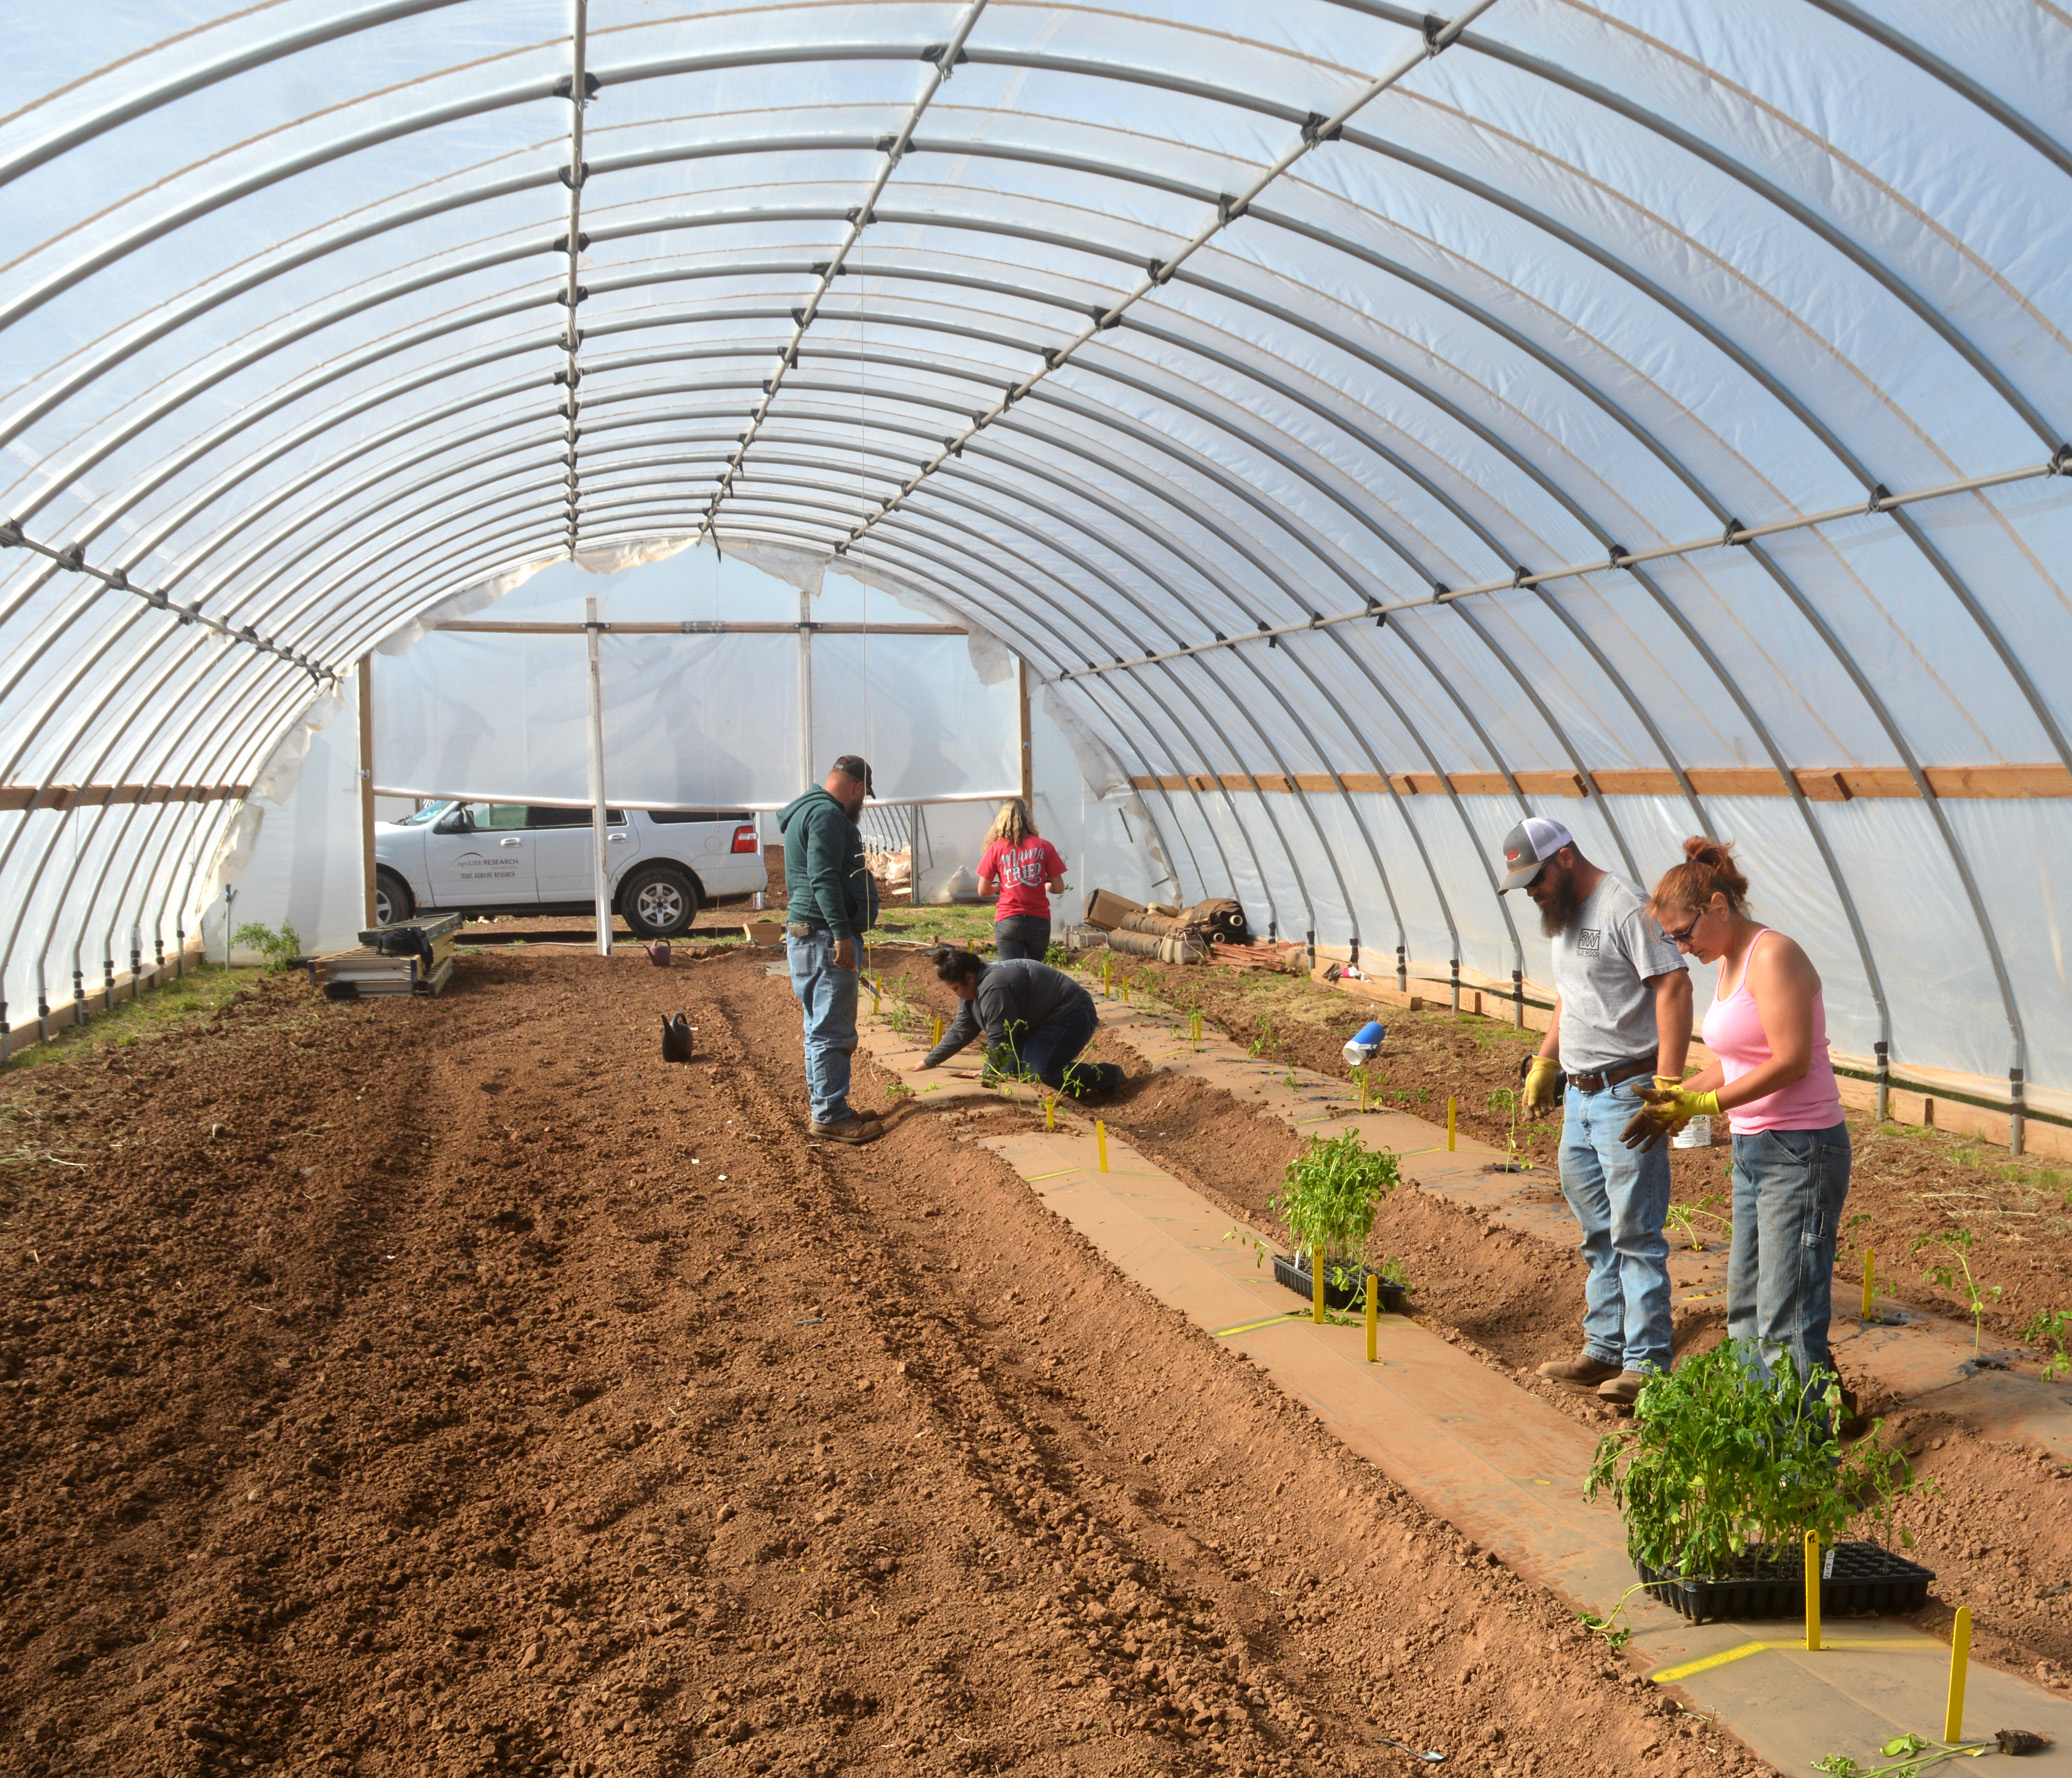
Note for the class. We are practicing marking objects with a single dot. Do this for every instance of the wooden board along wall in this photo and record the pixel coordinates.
(1821, 784)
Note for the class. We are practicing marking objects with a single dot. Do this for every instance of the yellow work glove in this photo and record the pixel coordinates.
(1539, 1086)
(1664, 1112)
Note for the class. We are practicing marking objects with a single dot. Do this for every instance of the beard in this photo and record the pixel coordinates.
(1558, 910)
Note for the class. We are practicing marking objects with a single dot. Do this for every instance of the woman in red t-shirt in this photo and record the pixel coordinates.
(1021, 865)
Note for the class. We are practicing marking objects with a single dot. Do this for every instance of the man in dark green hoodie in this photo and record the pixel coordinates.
(832, 903)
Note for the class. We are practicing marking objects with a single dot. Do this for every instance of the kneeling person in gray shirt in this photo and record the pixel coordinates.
(1036, 1020)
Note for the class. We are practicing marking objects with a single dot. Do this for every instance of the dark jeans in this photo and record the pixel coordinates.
(1022, 935)
(1789, 1188)
(1048, 1050)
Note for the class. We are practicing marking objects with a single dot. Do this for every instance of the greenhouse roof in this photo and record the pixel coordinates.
(1369, 423)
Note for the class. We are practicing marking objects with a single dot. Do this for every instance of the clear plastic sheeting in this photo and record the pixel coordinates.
(1112, 335)
(697, 719)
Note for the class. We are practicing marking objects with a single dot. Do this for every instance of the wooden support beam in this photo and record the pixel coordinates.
(89, 796)
(1820, 784)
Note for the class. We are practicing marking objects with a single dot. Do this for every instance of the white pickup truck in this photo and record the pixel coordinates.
(520, 858)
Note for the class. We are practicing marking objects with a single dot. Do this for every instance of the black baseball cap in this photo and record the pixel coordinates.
(854, 766)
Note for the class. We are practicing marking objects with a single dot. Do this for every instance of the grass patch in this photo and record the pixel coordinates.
(189, 1000)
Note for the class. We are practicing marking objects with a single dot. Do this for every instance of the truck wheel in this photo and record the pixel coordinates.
(658, 901)
(392, 898)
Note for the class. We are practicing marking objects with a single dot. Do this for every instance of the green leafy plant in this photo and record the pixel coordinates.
(1267, 1041)
(1952, 1271)
(1616, 1635)
(280, 949)
(1684, 1218)
(1056, 955)
(1721, 1457)
(2055, 1331)
(1505, 1100)
(1904, 1756)
(1330, 1194)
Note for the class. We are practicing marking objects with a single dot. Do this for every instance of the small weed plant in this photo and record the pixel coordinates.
(1330, 1194)
(280, 949)
(1949, 1267)
(2055, 1331)
(1266, 1041)
(1505, 1102)
(1721, 1458)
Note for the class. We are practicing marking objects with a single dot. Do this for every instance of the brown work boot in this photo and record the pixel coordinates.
(1580, 1372)
(852, 1129)
(1624, 1389)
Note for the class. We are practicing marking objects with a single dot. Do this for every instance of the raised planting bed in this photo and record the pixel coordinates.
(1345, 1284)
(1770, 1582)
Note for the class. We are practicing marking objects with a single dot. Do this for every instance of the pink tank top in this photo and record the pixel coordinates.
(1733, 1031)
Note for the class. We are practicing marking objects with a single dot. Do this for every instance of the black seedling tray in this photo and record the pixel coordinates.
(1352, 1294)
(1771, 1583)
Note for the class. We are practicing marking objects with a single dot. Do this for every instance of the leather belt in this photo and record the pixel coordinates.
(1610, 1077)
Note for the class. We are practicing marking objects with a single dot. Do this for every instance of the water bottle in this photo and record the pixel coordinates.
(1364, 1045)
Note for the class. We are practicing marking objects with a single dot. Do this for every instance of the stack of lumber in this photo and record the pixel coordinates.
(414, 957)
(1288, 958)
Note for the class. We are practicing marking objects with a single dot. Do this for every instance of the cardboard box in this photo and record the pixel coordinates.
(766, 933)
(1105, 909)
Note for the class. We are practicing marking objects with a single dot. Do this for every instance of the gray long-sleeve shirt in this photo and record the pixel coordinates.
(1021, 992)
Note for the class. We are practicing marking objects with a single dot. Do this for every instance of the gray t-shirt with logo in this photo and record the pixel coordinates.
(1601, 969)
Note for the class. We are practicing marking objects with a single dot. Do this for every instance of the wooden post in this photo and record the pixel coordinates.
(366, 677)
(1028, 751)
(600, 869)
(807, 777)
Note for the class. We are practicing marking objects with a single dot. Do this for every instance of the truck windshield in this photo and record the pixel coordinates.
(430, 812)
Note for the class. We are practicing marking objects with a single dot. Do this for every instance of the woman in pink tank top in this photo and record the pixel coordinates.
(1776, 1086)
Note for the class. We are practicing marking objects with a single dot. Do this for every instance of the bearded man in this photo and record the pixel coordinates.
(1622, 1023)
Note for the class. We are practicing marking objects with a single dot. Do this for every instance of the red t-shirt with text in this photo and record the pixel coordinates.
(1022, 871)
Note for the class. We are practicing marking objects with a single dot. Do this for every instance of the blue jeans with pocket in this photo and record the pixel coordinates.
(1049, 1050)
(1021, 935)
(1789, 1188)
(1621, 1197)
(827, 996)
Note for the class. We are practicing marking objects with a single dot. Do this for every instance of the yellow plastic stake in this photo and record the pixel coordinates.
(1813, 1589)
(1452, 1106)
(1363, 1100)
(1101, 1143)
(1868, 1274)
(1960, 1655)
(935, 1032)
(1316, 1287)
(1373, 1315)
(1107, 988)
(1050, 1114)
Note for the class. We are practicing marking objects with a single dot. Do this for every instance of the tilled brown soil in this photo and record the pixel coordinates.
(449, 1388)
(1997, 1528)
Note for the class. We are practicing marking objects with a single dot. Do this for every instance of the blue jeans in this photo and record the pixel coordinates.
(1789, 1187)
(1048, 1050)
(1621, 1196)
(1021, 935)
(828, 997)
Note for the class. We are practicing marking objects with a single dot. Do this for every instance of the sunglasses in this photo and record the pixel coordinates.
(1684, 937)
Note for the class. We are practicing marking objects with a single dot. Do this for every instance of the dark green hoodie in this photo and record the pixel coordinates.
(824, 869)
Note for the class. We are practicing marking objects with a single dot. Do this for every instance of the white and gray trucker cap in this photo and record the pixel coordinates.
(1527, 846)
